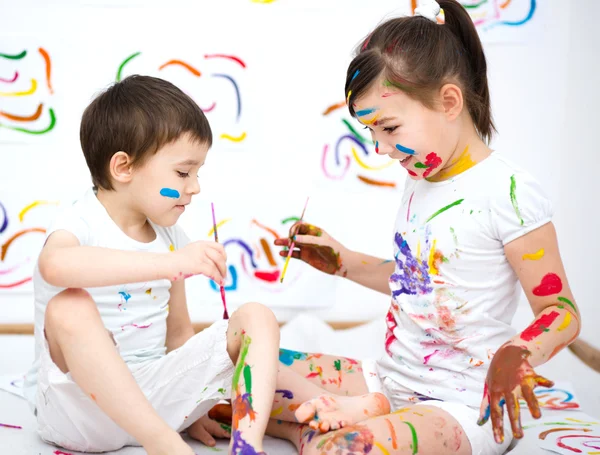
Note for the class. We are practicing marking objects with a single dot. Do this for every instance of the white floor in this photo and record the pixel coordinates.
(16, 353)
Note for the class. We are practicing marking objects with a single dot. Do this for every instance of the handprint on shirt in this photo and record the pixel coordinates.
(412, 275)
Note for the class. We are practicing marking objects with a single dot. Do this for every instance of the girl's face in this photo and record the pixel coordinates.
(422, 139)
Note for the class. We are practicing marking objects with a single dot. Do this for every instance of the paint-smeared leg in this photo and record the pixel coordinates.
(252, 343)
(338, 375)
(419, 430)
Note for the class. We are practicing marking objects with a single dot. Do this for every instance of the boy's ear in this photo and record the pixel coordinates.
(120, 167)
(452, 100)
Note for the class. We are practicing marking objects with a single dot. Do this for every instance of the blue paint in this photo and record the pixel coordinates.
(486, 416)
(125, 295)
(355, 74)
(405, 149)
(364, 112)
(230, 287)
(169, 192)
(287, 357)
(353, 139)
(4, 218)
(286, 394)
(245, 246)
(237, 93)
(521, 22)
(543, 391)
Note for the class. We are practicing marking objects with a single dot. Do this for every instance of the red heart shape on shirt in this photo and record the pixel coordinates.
(550, 285)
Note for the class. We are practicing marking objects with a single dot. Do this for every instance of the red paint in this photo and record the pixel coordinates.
(409, 202)
(414, 174)
(433, 161)
(15, 284)
(230, 57)
(428, 357)
(550, 285)
(540, 326)
(560, 444)
(269, 277)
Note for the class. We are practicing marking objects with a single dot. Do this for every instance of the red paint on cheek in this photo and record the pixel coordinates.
(550, 284)
(432, 161)
(540, 326)
(414, 174)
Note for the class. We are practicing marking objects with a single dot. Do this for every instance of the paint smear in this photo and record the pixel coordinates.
(566, 322)
(269, 277)
(539, 254)
(218, 225)
(125, 62)
(246, 341)
(48, 64)
(380, 446)
(239, 138)
(268, 252)
(25, 118)
(14, 237)
(237, 92)
(286, 393)
(209, 109)
(333, 108)
(136, 326)
(33, 205)
(443, 209)
(513, 198)
(355, 133)
(560, 299)
(364, 112)
(169, 192)
(5, 425)
(432, 161)
(28, 131)
(539, 326)
(368, 167)
(374, 182)
(543, 434)
(277, 411)
(562, 445)
(550, 285)
(392, 434)
(187, 66)
(458, 166)
(405, 149)
(415, 441)
(409, 203)
(324, 167)
(14, 56)
(10, 81)
(356, 73)
(233, 58)
(29, 91)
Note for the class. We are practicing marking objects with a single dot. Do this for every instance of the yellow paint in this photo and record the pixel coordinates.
(32, 205)
(566, 322)
(431, 261)
(380, 447)
(219, 224)
(539, 254)
(277, 411)
(263, 1)
(458, 166)
(31, 90)
(400, 411)
(233, 138)
(581, 421)
(364, 262)
(149, 291)
(364, 165)
(419, 251)
(348, 98)
(370, 122)
(171, 247)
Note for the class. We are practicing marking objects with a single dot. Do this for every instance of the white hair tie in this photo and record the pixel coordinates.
(429, 9)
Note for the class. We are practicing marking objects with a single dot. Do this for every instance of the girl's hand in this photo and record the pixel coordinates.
(509, 378)
(317, 248)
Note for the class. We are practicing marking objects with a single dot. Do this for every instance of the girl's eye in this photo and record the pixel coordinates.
(390, 129)
(183, 174)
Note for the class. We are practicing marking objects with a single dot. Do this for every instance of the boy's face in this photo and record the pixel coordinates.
(421, 139)
(166, 182)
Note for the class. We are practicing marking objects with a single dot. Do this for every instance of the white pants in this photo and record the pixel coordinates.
(182, 386)
(481, 437)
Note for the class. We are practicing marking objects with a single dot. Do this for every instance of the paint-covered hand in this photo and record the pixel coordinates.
(317, 248)
(509, 378)
(206, 430)
(198, 258)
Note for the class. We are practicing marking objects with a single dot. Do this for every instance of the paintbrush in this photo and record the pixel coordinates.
(222, 288)
(287, 259)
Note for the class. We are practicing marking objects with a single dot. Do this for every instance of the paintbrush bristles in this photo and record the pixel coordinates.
(287, 259)
(222, 288)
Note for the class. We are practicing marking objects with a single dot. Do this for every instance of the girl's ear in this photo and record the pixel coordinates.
(120, 167)
(452, 100)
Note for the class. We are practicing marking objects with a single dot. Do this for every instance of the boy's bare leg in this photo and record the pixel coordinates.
(253, 345)
(80, 344)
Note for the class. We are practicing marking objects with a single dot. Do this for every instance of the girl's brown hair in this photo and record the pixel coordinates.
(419, 56)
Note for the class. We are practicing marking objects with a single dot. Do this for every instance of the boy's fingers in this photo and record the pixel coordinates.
(218, 261)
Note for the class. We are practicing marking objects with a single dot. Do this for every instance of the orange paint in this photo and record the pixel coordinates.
(292, 407)
(334, 107)
(16, 236)
(29, 118)
(369, 181)
(392, 434)
(268, 252)
(48, 68)
(268, 229)
(187, 66)
(413, 6)
(93, 396)
(505, 4)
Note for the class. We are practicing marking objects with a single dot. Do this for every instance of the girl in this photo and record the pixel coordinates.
(471, 227)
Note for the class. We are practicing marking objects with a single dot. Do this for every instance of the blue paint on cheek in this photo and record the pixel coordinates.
(169, 192)
(405, 149)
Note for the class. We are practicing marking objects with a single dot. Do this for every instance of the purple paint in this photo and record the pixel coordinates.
(241, 447)
(286, 394)
(412, 276)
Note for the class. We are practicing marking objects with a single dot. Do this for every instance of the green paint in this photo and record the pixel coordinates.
(25, 130)
(290, 219)
(445, 259)
(248, 382)
(355, 133)
(225, 427)
(471, 212)
(246, 340)
(454, 235)
(568, 302)
(321, 443)
(415, 440)
(513, 198)
(338, 365)
(474, 5)
(443, 209)
(214, 449)
(125, 62)
(14, 57)
(222, 391)
(420, 165)
(562, 307)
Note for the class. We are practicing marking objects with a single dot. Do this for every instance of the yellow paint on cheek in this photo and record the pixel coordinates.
(535, 256)
(566, 322)
(277, 411)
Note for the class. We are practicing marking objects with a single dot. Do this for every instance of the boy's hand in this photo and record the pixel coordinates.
(317, 248)
(206, 430)
(199, 258)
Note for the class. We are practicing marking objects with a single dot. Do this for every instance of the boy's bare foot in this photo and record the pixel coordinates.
(332, 413)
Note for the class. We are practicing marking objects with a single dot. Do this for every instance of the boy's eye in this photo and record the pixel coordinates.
(183, 174)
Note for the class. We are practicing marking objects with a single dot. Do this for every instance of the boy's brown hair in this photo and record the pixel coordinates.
(138, 115)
